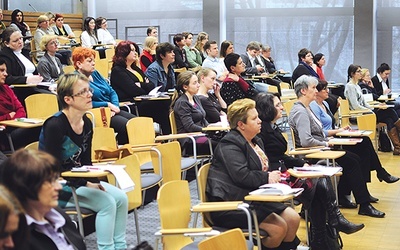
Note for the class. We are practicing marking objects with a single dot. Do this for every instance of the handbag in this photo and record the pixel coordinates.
(384, 143)
(304, 183)
(108, 154)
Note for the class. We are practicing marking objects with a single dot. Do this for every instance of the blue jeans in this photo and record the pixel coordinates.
(111, 207)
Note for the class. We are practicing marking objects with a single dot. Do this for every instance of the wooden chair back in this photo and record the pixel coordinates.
(344, 113)
(201, 185)
(41, 105)
(172, 122)
(97, 118)
(284, 85)
(140, 130)
(103, 138)
(174, 214)
(232, 239)
(101, 65)
(288, 106)
(33, 146)
(68, 69)
(170, 161)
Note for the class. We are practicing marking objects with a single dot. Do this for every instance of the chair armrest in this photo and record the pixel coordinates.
(178, 136)
(185, 230)
(216, 206)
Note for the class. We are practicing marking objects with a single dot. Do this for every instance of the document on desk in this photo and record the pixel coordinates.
(277, 189)
(345, 140)
(124, 181)
(326, 171)
(30, 120)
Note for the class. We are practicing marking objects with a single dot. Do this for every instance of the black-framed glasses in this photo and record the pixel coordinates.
(84, 92)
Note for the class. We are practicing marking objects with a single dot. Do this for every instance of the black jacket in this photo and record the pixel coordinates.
(15, 68)
(378, 85)
(275, 146)
(236, 169)
(39, 241)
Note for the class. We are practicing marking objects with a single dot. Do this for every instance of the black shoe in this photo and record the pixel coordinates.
(372, 199)
(345, 203)
(346, 226)
(387, 178)
(368, 210)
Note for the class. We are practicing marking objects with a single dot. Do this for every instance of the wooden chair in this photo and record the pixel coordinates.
(33, 53)
(99, 120)
(285, 85)
(232, 239)
(103, 138)
(41, 105)
(33, 145)
(174, 166)
(68, 69)
(175, 216)
(135, 196)
(272, 89)
(218, 206)
(345, 113)
(287, 106)
(101, 65)
(368, 122)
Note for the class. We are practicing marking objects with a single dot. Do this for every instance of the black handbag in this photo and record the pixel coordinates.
(384, 143)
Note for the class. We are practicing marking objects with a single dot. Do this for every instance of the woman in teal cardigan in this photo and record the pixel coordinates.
(103, 94)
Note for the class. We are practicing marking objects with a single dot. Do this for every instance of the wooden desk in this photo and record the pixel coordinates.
(150, 98)
(331, 155)
(382, 106)
(386, 98)
(269, 198)
(304, 151)
(354, 133)
(308, 174)
(90, 174)
(18, 124)
(344, 141)
(335, 85)
(216, 128)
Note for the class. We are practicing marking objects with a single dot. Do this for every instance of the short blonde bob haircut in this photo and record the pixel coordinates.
(238, 111)
(45, 40)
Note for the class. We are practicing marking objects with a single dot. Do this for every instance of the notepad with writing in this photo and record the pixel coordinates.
(277, 189)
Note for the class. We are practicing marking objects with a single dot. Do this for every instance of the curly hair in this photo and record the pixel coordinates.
(80, 54)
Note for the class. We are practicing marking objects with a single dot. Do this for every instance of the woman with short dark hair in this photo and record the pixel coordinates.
(33, 177)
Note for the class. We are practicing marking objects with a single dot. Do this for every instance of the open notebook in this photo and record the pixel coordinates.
(277, 189)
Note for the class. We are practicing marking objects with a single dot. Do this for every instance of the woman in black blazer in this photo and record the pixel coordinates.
(127, 79)
(320, 199)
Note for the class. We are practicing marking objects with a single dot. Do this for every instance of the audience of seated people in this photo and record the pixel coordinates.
(180, 53)
(192, 54)
(212, 60)
(189, 113)
(240, 166)
(356, 100)
(103, 34)
(103, 94)
(305, 65)
(160, 72)
(210, 95)
(49, 66)
(269, 63)
(127, 79)
(67, 136)
(319, 199)
(308, 132)
(201, 40)
(148, 55)
(365, 150)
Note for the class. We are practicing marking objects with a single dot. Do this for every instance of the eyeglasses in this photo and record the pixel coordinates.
(358, 71)
(278, 105)
(84, 92)
(54, 43)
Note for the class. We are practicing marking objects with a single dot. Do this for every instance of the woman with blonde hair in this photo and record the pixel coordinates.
(213, 103)
(202, 38)
(49, 66)
(148, 55)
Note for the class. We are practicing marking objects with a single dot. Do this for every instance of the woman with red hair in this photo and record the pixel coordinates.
(103, 94)
(127, 79)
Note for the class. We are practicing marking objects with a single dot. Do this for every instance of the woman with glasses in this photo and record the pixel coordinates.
(49, 66)
(68, 137)
(104, 95)
(33, 177)
(356, 100)
(103, 34)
